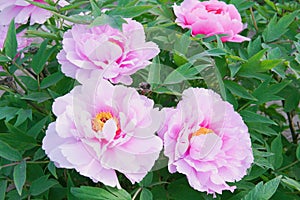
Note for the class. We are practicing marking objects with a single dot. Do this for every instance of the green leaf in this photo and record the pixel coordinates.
(238, 90)
(17, 138)
(4, 59)
(276, 29)
(40, 58)
(37, 96)
(119, 193)
(42, 34)
(147, 180)
(113, 21)
(249, 116)
(30, 83)
(276, 148)
(146, 194)
(3, 186)
(10, 43)
(96, 11)
(131, 11)
(183, 43)
(298, 152)
(23, 115)
(51, 80)
(184, 72)
(263, 191)
(41, 185)
(51, 167)
(8, 112)
(93, 193)
(254, 46)
(291, 182)
(20, 176)
(8, 152)
(154, 72)
(37, 127)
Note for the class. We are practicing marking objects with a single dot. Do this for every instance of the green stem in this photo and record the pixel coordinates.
(136, 193)
(288, 166)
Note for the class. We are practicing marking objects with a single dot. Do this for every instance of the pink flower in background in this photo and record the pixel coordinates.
(115, 54)
(205, 139)
(210, 18)
(21, 39)
(101, 129)
(21, 10)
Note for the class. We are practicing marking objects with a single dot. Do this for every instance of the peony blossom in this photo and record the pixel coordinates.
(21, 10)
(210, 18)
(205, 139)
(114, 54)
(101, 129)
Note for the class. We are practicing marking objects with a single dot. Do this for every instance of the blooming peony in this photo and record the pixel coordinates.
(210, 18)
(101, 129)
(205, 139)
(114, 54)
(21, 10)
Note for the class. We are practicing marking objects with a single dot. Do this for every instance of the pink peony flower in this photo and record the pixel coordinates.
(101, 129)
(115, 54)
(205, 139)
(210, 18)
(21, 10)
(21, 39)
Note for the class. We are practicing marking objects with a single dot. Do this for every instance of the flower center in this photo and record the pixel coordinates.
(202, 131)
(100, 119)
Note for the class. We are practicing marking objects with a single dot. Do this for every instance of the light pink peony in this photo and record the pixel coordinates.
(21, 39)
(115, 54)
(101, 129)
(21, 10)
(210, 18)
(205, 139)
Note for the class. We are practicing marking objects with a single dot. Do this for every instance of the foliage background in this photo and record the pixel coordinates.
(260, 78)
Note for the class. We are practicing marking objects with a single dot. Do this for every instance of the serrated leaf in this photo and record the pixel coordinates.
(20, 176)
(249, 116)
(276, 29)
(263, 191)
(113, 21)
(130, 11)
(8, 152)
(8, 113)
(10, 43)
(23, 115)
(146, 194)
(238, 90)
(41, 185)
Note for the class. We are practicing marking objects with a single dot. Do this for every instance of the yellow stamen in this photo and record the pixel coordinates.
(100, 119)
(202, 131)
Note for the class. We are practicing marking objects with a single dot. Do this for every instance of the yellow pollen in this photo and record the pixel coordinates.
(202, 131)
(100, 119)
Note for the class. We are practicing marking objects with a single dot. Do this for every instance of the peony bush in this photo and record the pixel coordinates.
(149, 99)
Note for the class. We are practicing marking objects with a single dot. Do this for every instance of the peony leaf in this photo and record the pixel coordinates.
(10, 43)
(20, 176)
(276, 148)
(237, 89)
(41, 184)
(94, 193)
(263, 191)
(3, 186)
(146, 194)
(8, 152)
